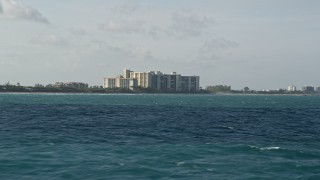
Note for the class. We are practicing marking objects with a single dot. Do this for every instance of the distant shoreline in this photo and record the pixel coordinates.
(162, 93)
(17, 89)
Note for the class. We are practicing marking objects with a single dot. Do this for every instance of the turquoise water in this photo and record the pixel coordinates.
(80, 136)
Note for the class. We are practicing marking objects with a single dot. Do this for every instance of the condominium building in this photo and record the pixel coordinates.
(120, 82)
(143, 78)
(109, 83)
(308, 89)
(157, 80)
(190, 83)
(292, 88)
(126, 73)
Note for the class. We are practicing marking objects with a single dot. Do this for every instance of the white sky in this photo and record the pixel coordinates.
(262, 44)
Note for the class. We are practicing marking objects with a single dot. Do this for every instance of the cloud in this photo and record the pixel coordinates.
(78, 32)
(178, 25)
(142, 53)
(189, 24)
(8, 54)
(128, 51)
(218, 44)
(122, 26)
(51, 39)
(212, 49)
(15, 10)
(136, 53)
(126, 8)
(1, 9)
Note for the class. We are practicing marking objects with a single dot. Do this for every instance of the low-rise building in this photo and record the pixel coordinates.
(78, 85)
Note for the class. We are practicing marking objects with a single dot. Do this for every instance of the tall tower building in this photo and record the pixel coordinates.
(126, 73)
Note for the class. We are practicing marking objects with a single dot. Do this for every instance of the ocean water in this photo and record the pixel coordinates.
(80, 136)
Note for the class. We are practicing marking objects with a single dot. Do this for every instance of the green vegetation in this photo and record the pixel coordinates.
(247, 90)
(39, 88)
(218, 88)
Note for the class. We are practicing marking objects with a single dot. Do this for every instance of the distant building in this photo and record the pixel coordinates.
(308, 89)
(78, 85)
(109, 83)
(143, 78)
(190, 83)
(156, 80)
(126, 73)
(318, 89)
(120, 82)
(292, 88)
(174, 82)
(58, 84)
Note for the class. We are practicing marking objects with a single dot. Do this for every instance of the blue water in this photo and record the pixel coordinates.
(61, 136)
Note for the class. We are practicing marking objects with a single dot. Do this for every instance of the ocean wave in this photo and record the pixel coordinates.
(225, 127)
(228, 127)
(270, 148)
(266, 148)
(180, 163)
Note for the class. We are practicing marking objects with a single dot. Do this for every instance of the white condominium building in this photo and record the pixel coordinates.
(120, 82)
(156, 80)
(144, 78)
(292, 88)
